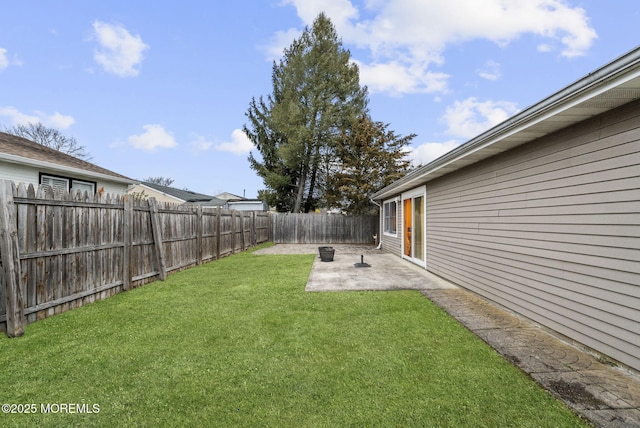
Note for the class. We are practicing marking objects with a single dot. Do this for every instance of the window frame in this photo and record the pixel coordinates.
(70, 181)
(390, 217)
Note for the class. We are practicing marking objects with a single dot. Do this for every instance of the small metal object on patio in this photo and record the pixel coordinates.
(362, 264)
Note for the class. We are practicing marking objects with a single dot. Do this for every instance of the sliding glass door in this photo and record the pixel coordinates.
(414, 221)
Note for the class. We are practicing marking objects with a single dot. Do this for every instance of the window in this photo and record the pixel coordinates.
(68, 184)
(389, 214)
(83, 186)
(57, 183)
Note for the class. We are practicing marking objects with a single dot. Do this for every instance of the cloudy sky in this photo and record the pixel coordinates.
(161, 88)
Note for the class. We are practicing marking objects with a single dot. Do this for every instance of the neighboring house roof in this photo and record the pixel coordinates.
(185, 195)
(610, 86)
(248, 202)
(229, 197)
(22, 151)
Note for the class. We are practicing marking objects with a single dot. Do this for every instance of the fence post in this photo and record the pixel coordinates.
(10, 256)
(218, 231)
(253, 229)
(233, 231)
(199, 235)
(157, 239)
(242, 231)
(127, 232)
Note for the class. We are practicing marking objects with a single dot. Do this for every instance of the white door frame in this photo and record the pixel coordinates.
(420, 192)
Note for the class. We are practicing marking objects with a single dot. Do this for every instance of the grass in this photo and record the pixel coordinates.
(237, 342)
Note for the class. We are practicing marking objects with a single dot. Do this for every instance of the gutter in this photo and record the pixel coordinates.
(566, 98)
(381, 234)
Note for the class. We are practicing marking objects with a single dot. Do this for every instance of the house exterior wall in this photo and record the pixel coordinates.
(248, 205)
(19, 173)
(551, 230)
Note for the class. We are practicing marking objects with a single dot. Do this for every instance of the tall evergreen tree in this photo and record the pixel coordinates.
(316, 97)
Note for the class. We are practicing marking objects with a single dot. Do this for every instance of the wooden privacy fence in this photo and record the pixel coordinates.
(323, 228)
(59, 251)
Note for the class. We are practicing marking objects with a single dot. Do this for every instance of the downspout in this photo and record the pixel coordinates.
(380, 234)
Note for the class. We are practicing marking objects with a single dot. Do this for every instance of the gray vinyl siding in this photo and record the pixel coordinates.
(18, 173)
(551, 230)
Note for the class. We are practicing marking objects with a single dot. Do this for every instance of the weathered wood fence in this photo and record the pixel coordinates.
(59, 251)
(323, 228)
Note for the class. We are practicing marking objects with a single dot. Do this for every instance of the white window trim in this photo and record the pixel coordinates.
(66, 183)
(83, 183)
(384, 203)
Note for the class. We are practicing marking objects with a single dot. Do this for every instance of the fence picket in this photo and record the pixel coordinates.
(323, 228)
(10, 257)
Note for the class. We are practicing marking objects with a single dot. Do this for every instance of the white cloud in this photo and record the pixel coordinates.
(200, 144)
(280, 41)
(490, 70)
(468, 118)
(425, 153)
(407, 37)
(4, 61)
(154, 137)
(340, 11)
(55, 120)
(238, 145)
(61, 121)
(119, 52)
(543, 47)
(397, 79)
(17, 117)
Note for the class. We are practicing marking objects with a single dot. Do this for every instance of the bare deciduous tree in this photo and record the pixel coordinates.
(50, 137)
(162, 181)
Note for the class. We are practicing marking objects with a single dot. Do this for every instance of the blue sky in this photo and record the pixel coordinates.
(161, 88)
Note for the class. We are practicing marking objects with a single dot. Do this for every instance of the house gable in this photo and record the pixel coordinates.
(174, 195)
(24, 161)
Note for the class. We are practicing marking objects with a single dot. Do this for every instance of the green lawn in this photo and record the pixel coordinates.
(238, 342)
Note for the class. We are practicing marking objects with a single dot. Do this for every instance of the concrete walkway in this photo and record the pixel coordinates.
(601, 392)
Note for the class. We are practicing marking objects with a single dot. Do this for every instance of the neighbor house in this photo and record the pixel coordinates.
(24, 161)
(540, 214)
(228, 196)
(174, 195)
(240, 203)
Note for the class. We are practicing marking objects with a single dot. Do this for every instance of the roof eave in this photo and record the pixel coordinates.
(488, 143)
(66, 170)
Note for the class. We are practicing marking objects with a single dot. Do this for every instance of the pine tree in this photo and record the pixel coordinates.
(316, 97)
(370, 158)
